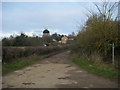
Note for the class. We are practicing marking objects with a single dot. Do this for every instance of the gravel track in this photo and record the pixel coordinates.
(55, 72)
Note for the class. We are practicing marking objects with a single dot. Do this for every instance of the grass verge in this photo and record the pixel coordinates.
(84, 63)
(24, 62)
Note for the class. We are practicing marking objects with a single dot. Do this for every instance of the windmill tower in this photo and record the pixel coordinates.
(46, 33)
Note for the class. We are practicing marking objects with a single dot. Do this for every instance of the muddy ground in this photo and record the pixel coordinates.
(55, 72)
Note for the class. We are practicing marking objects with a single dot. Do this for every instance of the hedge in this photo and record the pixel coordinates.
(11, 53)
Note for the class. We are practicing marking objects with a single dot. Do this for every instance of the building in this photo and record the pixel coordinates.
(46, 33)
(64, 39)
(70, 37)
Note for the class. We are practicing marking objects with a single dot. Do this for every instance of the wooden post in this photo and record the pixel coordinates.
(113, 54)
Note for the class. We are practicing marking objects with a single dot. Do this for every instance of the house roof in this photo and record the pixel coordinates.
(46, 31)
(70, 36)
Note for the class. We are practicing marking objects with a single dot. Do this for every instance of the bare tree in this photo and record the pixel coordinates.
(107, 10)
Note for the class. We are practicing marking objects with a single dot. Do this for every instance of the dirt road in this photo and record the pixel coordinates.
(55, 72)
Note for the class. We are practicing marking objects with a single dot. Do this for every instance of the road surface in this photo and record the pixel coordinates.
(55, 72)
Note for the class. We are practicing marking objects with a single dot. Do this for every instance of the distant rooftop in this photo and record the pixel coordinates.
(46, 31)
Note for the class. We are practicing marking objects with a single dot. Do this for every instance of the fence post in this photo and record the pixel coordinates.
(113, 53)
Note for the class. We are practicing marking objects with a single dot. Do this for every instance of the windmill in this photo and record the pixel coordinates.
(39, 31)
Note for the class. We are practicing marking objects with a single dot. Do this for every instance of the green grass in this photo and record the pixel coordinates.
(20, 63)
(24, 62)
(83, 62)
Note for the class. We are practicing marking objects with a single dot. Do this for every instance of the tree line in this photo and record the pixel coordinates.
(24, 40)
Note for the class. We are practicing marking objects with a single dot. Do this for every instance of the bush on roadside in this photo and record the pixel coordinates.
(11, 53)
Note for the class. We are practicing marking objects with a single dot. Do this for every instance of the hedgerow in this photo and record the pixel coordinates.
(11, 53)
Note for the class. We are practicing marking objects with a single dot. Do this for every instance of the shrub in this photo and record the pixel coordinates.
(11, 53)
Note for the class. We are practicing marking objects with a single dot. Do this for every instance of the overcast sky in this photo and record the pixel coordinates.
(30, 17)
